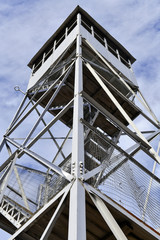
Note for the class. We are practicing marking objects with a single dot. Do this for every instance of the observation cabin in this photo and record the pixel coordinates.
(61, 47)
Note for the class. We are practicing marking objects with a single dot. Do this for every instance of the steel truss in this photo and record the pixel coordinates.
(68, 179)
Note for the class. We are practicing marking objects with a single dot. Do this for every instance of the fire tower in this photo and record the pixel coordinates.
(79, 159)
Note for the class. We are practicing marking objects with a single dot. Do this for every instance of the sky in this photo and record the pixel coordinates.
(26, 25)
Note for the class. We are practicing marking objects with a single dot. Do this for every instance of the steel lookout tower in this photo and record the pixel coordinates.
(79, 159)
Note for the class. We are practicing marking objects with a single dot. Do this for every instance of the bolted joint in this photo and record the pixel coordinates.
(78, 55)
(20, 149)
(73, 168)
(81, 168)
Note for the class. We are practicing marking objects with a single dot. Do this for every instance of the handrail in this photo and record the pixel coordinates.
(57, 43)
(102, 41)
(93, 32)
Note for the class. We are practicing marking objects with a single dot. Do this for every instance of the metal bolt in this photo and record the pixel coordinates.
(81, 167)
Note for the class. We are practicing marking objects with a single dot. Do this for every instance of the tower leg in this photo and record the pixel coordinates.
(77, 218)
(77, 211)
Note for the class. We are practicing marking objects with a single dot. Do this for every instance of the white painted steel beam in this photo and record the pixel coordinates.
(107, 216)
(6, 179)
(61, 147)
(119, 124)
(122, 111)
(148, 107)
(128, 100)
(8, 161)
(47, 127)
(21, 188)
(52, 137)
(4, 173)
(41, 160)
(123, 211)
(77, 210)
(17, 113)
(39, 213)
(48, 105)
(131, 151)
(128, 156)
(39, 101)
(50, 124)
(122, 80)
(92, 173)
(2, 144)
(113, 119)
(54, 217)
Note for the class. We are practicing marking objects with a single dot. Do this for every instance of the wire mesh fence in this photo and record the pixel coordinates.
(34, 186)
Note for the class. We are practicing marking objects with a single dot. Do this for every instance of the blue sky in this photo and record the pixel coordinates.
(26, 25)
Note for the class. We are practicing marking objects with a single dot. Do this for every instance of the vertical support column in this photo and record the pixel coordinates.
(92, 31)
(44, 55)
(77, 215)
(33, 67)
(54, 45)
(66, 32)
(119, 58)
(105, 43)
(130, 65)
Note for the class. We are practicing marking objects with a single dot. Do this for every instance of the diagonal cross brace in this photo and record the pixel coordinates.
(48, 104)
(54, 217)
(56, 118)
(39, 213)
(122, 111)
(41, 160)
(18, 180)
(128, 156)
(38, 101)
(122, 80)
(143, 145)
(107, 216)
